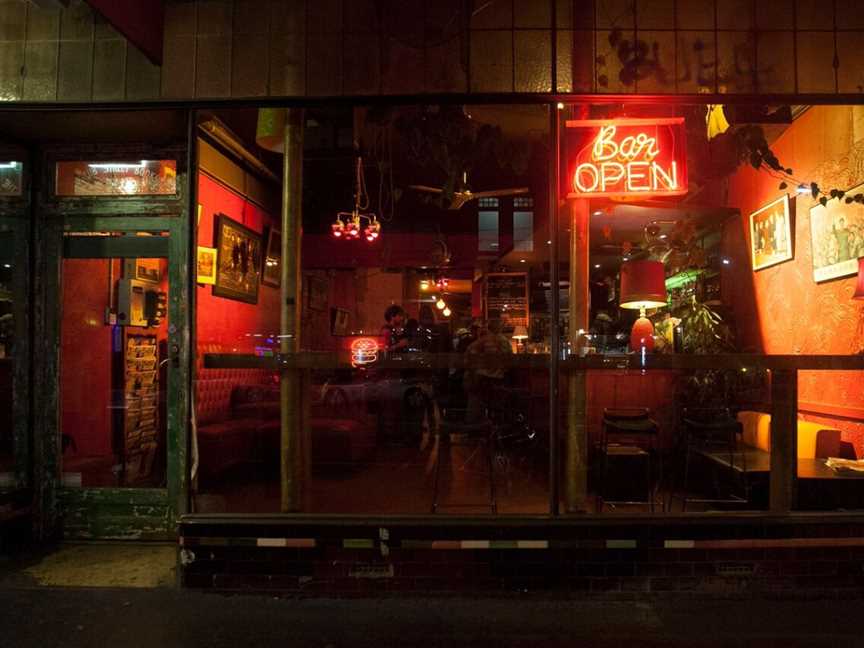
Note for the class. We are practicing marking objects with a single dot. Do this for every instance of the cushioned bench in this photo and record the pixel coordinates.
(238, 422)
(815, 440)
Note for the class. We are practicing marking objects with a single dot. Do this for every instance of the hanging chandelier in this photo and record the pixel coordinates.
(358, 222)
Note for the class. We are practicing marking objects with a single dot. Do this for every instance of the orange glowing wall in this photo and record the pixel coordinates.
(781, 309)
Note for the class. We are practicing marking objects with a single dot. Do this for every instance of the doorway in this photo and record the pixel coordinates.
(120, 380)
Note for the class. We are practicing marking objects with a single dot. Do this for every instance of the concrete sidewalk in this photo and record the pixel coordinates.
(165, 617)
(125, 595)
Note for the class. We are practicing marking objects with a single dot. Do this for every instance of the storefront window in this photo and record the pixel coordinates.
(686, 382)
(418, 398)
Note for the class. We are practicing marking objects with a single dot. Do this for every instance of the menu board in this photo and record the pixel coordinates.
(507, 299)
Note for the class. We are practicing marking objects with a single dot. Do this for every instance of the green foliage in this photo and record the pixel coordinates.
(704, 330)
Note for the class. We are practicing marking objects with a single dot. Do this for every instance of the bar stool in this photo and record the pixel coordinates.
(631, 433)
(480, 438)
(713, 434)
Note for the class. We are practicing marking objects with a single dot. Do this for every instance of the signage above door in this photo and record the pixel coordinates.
(625, 158)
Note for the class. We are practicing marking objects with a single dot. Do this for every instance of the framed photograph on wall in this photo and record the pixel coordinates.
(271, 273)
(205, 265)
(238, 261)
(837, 237)
(339, 321)
(771, 234)
(316, 293)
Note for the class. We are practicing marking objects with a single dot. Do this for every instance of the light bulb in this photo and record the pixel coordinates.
(440, 304)
(446, 312)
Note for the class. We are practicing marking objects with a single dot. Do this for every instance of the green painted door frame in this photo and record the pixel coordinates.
(118, 513)
(15, 250)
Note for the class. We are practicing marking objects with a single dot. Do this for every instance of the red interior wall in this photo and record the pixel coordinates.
(781, 309)
(229, 322)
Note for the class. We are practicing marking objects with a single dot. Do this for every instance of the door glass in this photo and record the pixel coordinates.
(113, 372)
(7, 362)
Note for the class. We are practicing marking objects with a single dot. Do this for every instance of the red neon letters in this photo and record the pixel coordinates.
(633, 157)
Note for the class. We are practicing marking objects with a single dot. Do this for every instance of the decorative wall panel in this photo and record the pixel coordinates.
(291, 48)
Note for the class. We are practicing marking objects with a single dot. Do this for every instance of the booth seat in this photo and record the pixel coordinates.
(231, 429)
(238, 421)
(814, 439)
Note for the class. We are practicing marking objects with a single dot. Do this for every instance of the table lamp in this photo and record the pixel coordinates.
(859, 288)
(520, 334)
(643, 285)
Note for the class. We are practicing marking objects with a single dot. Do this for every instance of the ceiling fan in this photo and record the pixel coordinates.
(464, 195)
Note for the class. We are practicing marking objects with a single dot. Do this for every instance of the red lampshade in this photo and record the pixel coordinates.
(643, 284)
(859, 288)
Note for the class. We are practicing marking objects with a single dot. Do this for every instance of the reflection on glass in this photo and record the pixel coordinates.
(11, 178)
(7, 364)
(118, 178)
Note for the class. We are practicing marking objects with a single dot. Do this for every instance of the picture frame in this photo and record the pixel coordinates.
(205, 265)
(771, 239)
(271, 271)
(238, 261)
(316, 293)
(339, 318)
(143, 269)
(837, 237)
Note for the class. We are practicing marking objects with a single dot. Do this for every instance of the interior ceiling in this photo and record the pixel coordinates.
(70, 126)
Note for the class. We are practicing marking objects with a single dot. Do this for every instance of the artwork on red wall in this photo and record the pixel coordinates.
(771, 234)
(205, 267)
(238, 265)
(316, 293)
(837, 237)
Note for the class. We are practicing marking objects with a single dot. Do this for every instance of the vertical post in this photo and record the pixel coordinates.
(291, 464)
(784, 440)
(576, 466)
(555, 319)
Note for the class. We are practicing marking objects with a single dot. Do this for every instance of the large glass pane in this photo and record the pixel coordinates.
(113, 372)
(7, 360)
(424, 320)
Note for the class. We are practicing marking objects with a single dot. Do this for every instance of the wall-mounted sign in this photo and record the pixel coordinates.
(630, 158)
(507, 299)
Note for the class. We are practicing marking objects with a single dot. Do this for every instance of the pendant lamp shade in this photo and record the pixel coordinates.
(643, 284)
(270, 130)
(859, 287)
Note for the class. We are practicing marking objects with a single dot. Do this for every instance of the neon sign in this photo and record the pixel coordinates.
(363, 351)
(626, 158)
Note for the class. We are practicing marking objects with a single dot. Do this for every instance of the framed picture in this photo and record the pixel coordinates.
(316, 293)
(148, 270)
(271, 273)
(339, 321)
(205, 266)
(238, 261)
(771, 234)
(837, 237)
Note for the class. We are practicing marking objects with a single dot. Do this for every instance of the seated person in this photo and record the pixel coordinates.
(479, 383)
